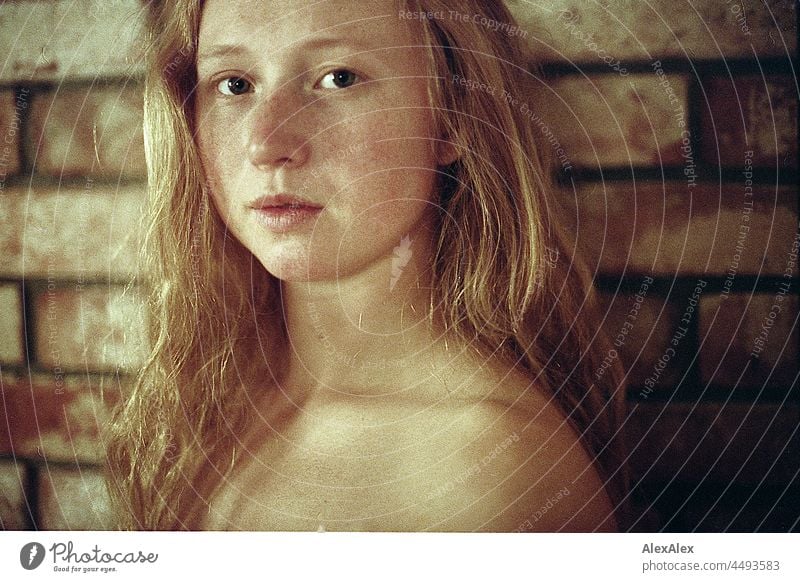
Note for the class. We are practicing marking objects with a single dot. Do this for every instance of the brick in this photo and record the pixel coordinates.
(65, 123)
(11, 111)
(92, 231)
(565, 29)
(57, 417)
(12, 349)
(70, 39)
(750, 113)
(73, 499)
(714, 442)
(13, 502)
(668, 228)
(731, 330)
(90, 328)
(654, 324)
(607, 120)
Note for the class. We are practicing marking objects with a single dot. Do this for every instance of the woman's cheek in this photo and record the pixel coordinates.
(216, 190)
(210, 164)
(397, 188)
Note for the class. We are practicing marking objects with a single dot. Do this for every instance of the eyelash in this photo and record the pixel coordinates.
(227, 80)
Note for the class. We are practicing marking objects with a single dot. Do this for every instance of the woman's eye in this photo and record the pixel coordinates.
(234, 86)
(339, 79)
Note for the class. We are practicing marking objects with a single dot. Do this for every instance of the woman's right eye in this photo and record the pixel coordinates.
(233, 86)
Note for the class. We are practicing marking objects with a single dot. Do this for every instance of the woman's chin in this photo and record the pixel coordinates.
(298, 270)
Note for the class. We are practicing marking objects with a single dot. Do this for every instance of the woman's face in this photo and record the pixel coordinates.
(315, 132)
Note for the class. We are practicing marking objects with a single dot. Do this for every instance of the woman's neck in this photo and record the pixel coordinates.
(368, 333)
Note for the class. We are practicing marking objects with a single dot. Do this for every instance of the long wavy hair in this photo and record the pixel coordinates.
(506, 279)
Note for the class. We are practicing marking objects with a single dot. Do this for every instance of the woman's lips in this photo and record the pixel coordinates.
(283, 212)
(286, 217)
(281, 200)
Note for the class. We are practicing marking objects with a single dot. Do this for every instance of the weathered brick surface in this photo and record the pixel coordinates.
(73, 499)
(11, 110)
(12, 350)
(565, 29)
(712, 442)
(13, 503)
(669, 228)
(56, 417)
(639, 345)
(94, 328)
(744, 346)
(69, 39)
(607, 120)
(750, 113)
(88, 132)
(93, 231)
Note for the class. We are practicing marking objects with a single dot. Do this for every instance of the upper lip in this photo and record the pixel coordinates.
(281, 200)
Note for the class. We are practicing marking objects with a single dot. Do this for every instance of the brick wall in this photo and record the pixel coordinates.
(71, 185)
(680, 121)
(656, 106)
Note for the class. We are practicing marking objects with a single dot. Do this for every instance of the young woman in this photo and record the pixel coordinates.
(363, 314)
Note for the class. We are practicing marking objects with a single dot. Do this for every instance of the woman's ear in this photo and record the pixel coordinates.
(446, 152)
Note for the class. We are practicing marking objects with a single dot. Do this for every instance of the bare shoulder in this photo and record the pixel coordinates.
(535, 473)
(564, 489)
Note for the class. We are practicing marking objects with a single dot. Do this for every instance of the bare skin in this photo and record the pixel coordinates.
(376, 421)
(458, 463)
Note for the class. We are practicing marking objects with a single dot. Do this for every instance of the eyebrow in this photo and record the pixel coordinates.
(313, 43)
(221, 50)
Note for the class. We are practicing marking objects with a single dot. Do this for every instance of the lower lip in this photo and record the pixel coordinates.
(286, 218)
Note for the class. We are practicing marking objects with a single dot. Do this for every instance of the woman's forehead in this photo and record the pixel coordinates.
(283, 22)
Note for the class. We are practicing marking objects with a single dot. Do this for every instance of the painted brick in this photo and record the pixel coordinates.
(13, 503)
(750, 113)
(70, 39)
(732, 329)
(65, 123)
(654, 323)
(92, 231)
(668, 228)
(92, 328)
(714, 443)
(565, 29)
(11, 110)
(12, 349)
(57, 417)
(73, 499)
(608, 120)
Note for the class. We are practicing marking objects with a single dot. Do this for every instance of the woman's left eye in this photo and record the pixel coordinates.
(339, 79)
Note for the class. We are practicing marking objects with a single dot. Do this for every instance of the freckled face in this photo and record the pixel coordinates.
(323, 101)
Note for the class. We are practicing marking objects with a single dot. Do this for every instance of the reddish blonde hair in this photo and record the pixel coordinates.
(495, 278)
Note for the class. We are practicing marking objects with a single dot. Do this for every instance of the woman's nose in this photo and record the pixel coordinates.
(275, 136)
